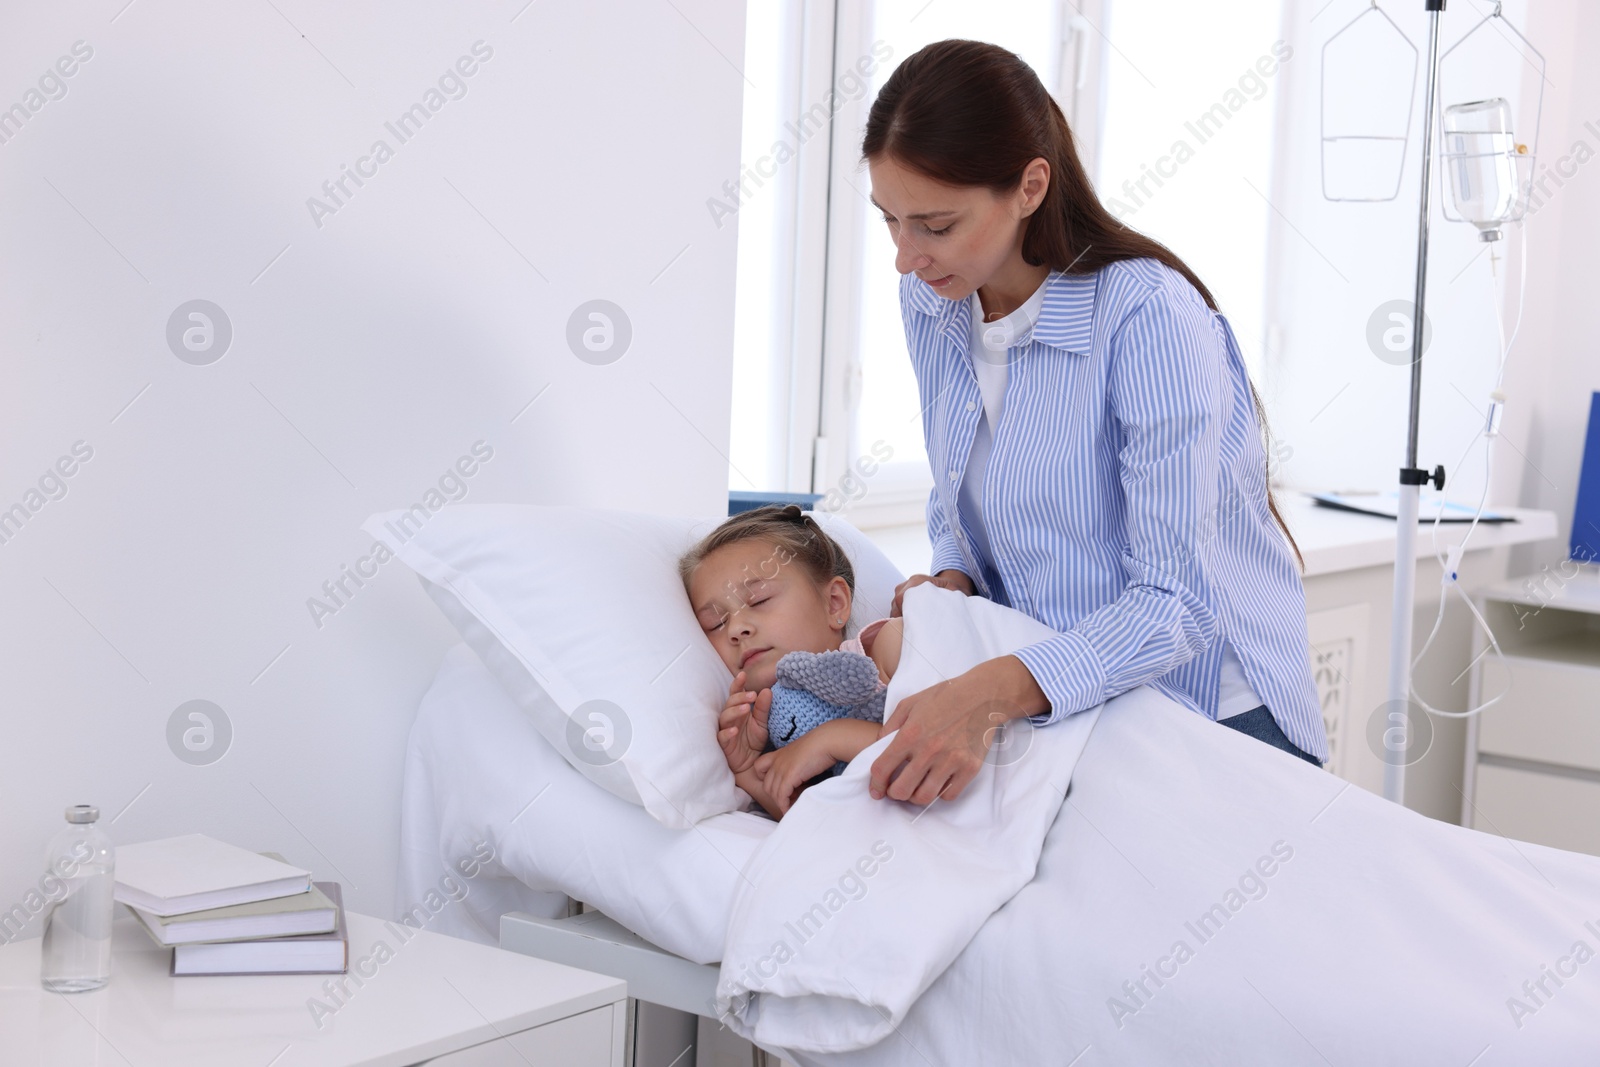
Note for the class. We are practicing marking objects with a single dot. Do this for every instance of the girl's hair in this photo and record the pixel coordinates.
(969, 113)
(793, 532)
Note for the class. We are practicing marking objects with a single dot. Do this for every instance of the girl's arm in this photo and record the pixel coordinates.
(784, 771)
(843, 739)
(886, 646)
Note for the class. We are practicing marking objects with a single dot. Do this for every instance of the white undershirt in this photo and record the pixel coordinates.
(991, 346)
(1234, 695)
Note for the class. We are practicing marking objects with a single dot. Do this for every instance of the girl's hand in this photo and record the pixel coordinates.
(783, 772)
(949, 579)
(742, 725)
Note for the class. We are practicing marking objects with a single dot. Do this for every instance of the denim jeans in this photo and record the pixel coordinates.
(1259, 724)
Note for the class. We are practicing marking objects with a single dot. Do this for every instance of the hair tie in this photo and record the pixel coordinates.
(793, 513)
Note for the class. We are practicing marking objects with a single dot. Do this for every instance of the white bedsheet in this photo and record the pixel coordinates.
(478, 771)
(1383, 937)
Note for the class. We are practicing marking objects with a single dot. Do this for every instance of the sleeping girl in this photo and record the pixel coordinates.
(773, 594)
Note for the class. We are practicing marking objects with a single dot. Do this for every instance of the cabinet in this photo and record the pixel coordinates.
(594, 1037)
(1533, 759)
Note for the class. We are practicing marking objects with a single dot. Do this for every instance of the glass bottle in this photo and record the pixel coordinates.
(75, 956)
(1482, 163)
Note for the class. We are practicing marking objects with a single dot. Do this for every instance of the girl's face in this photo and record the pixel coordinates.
(755, 603)
(957, 238)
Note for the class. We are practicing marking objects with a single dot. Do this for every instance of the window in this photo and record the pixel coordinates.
(1173, 109)
(1174, 116)
(872, 464)
(765, 198)
(1187, 141)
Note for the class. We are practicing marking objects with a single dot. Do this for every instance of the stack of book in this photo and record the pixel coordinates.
(226, 910)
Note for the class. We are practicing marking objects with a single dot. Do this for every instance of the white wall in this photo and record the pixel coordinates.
(368, 353)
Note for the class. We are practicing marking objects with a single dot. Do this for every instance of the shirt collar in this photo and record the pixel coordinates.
(1066, 321)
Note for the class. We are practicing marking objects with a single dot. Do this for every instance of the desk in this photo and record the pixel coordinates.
(435, 1000)
(1334, 541)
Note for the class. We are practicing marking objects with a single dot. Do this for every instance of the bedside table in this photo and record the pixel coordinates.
(1533, 760)
(432, 1000)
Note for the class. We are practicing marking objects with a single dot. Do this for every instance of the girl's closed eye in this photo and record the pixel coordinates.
(724, 618)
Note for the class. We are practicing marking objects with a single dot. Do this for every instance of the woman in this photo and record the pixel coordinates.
(1097, 446)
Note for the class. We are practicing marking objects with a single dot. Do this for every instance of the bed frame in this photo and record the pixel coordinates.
(598, 943)
(595, 942)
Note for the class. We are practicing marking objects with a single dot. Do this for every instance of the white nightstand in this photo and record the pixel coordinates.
(436, 1000)
(1533, 760)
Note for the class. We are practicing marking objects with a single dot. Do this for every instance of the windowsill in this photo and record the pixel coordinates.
(907, 546)
(889, 499)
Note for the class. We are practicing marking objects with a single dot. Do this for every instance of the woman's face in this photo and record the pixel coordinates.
(956, 238)
(755, 603)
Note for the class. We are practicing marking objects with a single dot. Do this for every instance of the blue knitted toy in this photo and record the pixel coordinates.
(815, 687)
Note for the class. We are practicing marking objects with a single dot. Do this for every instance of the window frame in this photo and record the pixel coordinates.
(821, 274)
(896, 493)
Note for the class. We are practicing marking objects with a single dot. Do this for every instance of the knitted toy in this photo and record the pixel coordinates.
(814, 687)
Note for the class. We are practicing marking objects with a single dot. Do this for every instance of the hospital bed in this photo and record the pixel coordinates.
(1135, 885)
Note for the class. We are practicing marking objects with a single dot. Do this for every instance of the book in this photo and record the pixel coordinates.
(327, 953)
(311, 912)
(195, 873)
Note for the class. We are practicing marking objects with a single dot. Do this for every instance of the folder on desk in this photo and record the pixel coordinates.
(1387, 505)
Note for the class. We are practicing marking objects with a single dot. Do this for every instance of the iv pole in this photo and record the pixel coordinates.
(1412, 478)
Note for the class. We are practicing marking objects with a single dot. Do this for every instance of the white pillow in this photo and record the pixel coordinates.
(580, 615)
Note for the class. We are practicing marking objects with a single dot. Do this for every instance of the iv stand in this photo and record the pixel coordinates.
(1412, 478)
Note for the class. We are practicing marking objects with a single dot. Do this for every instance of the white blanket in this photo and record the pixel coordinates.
(852, 908)
(1383, 938)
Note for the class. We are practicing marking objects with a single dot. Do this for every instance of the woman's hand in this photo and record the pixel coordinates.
(945, 730)
(742, 725)
(949, 579)
(783, 772)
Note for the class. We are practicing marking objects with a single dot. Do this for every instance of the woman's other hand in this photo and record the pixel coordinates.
(949, 579)
(742, 725)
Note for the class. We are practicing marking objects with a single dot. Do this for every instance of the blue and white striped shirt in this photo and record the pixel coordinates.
(1125, 495)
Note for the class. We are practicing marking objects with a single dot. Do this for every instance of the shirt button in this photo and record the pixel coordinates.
(953, 475)
(961, 535)
(971, 406)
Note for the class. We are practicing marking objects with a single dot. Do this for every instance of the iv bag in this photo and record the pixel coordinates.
(1480, 154)
(1485, 173)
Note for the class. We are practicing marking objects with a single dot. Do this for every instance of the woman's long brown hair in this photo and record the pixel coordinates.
(969, 113)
